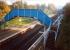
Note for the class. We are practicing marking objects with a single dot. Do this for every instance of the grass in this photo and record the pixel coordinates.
(18, 21)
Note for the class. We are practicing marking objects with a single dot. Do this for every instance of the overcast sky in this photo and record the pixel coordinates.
(57, 3)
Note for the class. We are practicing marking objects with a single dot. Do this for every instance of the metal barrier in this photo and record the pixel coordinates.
(57, 23)
(40, 43)
(43, 38)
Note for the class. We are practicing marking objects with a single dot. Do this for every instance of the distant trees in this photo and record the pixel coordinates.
(52, 8)
(63, 41)
(4, 8)
(20, 5)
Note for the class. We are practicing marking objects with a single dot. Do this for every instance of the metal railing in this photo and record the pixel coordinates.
(41, 40)
(44, 36)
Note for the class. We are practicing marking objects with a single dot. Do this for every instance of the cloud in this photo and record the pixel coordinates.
(57, 3)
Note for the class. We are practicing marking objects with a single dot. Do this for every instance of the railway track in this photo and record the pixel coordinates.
(21, 41)
(5, 33)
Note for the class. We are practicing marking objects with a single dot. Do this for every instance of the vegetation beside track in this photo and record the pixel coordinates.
(16, 22)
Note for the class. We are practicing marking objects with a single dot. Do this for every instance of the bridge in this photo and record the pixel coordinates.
(44, 19)
(34, 13)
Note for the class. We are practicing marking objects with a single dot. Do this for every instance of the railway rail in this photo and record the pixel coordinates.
(22, 40)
